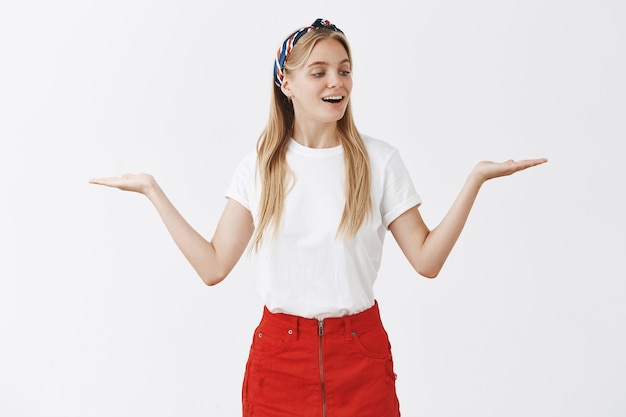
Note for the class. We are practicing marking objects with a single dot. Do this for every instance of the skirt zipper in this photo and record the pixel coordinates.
(320, 326)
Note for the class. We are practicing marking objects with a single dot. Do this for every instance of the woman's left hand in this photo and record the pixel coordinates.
(487, 170)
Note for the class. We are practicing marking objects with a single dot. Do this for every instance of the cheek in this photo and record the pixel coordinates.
(347, 84)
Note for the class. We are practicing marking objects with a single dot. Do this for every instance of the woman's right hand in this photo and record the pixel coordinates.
(139, 183)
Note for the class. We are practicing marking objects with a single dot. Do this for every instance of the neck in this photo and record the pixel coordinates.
(316, 135)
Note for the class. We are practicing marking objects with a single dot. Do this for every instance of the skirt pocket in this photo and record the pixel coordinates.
(269, 342)
(373, 342)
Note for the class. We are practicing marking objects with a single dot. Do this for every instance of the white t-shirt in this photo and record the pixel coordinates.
(305, 270)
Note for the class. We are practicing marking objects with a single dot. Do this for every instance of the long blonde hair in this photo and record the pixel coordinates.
(272, 150)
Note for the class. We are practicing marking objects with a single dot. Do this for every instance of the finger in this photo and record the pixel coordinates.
(528, 163)
(533, 162)
(108, 181)
(99, 180)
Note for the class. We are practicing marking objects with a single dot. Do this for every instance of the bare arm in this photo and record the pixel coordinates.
(428, 250)
(212, 260)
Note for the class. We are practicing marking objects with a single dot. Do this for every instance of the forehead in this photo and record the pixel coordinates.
(329, 51)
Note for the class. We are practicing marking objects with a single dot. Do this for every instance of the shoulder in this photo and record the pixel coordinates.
(245, 171)
(248, 162)
(377, 149)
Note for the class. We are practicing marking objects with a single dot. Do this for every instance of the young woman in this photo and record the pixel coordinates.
(313, 205)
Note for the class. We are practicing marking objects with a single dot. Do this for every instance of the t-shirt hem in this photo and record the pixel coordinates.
(241, 200)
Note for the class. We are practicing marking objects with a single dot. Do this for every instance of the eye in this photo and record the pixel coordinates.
(318, 74)
(345, 72)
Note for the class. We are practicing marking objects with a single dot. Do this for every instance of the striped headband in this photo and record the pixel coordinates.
(284, 51)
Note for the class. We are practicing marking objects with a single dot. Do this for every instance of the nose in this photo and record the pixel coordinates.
(334, 80)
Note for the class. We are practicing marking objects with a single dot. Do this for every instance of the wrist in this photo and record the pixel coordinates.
(151, 188)
(475, 179)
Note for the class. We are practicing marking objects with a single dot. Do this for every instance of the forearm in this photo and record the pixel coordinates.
(197, 250)
(439, 242)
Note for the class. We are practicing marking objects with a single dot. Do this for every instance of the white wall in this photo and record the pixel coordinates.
(101, 316)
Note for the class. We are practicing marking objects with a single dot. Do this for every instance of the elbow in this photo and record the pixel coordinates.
(430, 272)
(427, 267)
(212, 278)
(211, 281)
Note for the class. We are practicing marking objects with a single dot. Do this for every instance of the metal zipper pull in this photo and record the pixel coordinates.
(320, 326)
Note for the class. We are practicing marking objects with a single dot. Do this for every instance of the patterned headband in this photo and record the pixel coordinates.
(284, 51)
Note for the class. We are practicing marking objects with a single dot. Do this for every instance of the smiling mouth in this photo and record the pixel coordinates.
(333, 99)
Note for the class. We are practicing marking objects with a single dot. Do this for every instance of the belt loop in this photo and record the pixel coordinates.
(348, 327)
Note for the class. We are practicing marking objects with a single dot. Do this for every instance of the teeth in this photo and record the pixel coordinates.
(332, 98)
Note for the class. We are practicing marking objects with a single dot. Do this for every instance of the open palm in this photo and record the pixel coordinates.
(486, 170)
(139, 183)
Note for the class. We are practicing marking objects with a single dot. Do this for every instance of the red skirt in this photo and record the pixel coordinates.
(338, 367)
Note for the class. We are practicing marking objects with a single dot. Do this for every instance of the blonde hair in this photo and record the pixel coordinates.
(272, 150)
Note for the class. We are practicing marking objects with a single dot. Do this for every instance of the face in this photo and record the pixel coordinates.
(320, 89)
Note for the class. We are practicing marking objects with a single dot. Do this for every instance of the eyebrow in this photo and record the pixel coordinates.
(312, 64)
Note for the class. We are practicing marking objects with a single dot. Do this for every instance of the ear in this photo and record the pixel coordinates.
(286, 88)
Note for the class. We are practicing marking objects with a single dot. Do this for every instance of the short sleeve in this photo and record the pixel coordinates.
(399, 193)
(242, 184)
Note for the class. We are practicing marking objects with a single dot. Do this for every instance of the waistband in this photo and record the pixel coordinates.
(296, 326)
